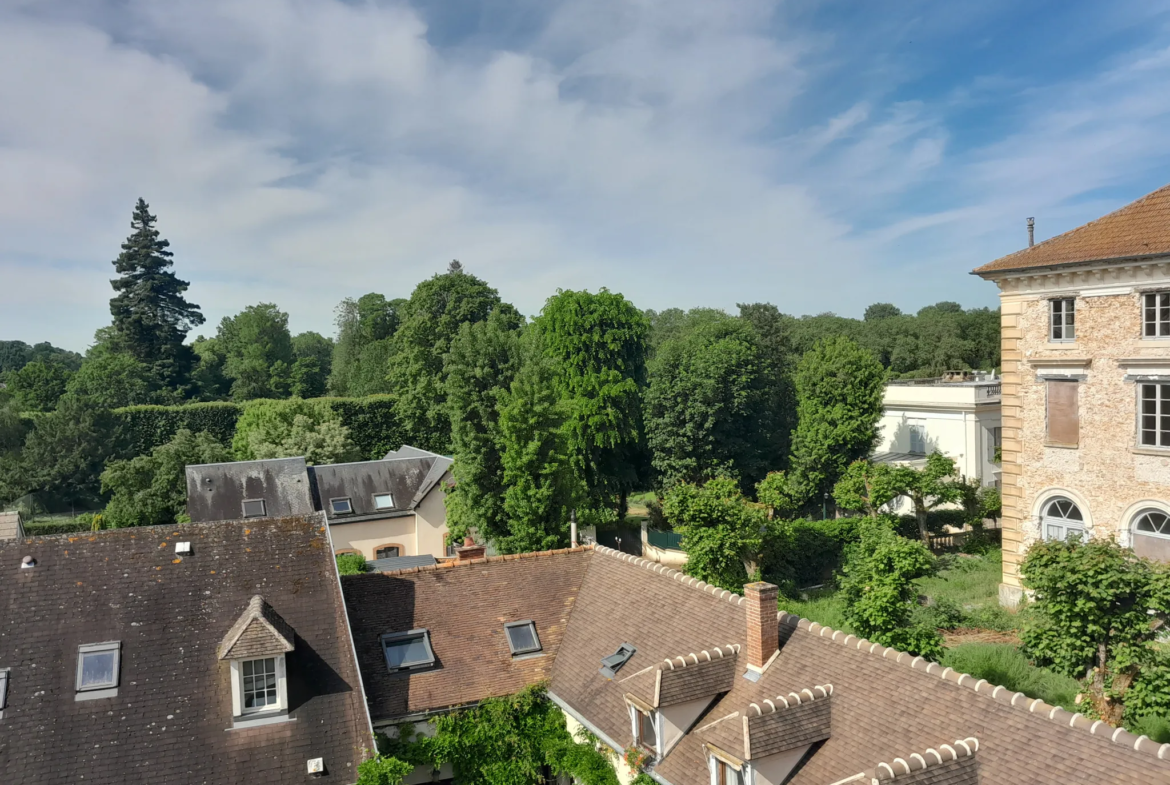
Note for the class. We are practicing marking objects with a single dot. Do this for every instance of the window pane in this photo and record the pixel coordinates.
(383, 501)
(388, 552)
(523, 638)
(97, 668)
(409, 651)
(1057, 332)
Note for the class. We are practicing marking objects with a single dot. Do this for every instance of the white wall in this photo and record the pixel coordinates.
(773, 769)
(677, 718)
(963, 436)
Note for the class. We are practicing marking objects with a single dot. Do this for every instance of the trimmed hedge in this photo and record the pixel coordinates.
(34, 529)
(372, 423)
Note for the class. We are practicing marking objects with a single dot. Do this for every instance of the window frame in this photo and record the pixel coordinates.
(388, 495)
(723, 773)
(401, 550)
(539, 648)
(1067, 318)
(348, 503)
(1138, 518)
(1068, 525)
(99, 648)
(263, 508)
(1160, 412)
(1161, 328)
(917, 425)
(390, 637)
(5, 675)
(239, 712)
(641, 720)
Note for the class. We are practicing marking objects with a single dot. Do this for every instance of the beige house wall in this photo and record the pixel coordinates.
(431, 515)
(1107, 474)
(422, 532)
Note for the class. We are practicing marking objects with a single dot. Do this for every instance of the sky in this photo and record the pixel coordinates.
(821, 156)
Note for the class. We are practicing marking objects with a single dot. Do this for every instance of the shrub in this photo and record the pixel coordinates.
(142, 428)
(79, 524)
(1004, 664)
(806, 553)
(351, 564)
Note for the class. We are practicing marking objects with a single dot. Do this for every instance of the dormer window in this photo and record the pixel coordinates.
(723, 773)
(255, 508)
(255, 648)
(647, 735)
(522, 638)
(408, 650)
(97, 670)
(383, 501)
(341, 506)
(261, 681)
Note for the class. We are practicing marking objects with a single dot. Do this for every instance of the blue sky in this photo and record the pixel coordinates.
(817, 155)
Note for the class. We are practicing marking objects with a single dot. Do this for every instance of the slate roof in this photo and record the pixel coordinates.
(406, 479)
(396, 563)
(216, 491)
(1140, 229)
(168, 722)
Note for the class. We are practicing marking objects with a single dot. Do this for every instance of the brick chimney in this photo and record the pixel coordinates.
(469, 550)
(763, 630)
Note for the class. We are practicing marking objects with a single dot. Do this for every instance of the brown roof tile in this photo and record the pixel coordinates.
(1140, 229)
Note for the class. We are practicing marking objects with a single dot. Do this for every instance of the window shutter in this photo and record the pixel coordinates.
(1064, 422)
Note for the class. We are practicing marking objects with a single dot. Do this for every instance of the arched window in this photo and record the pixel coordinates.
(1151, 535)
(1153, 522)
(1061, 518)
(388, 551)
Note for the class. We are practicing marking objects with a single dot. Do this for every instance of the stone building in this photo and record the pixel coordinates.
(1086, 385)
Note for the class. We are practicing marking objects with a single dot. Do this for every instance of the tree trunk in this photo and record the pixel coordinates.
(920, 516)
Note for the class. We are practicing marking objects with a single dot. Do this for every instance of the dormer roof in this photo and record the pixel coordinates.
(259, 632)
(773, 725)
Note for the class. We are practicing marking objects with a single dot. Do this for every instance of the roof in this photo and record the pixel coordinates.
(395, 563)
(407, 480)
(1138, 230)
(10, 526)
(259, 632)
(216, 491)
(464, 606)
(912, 458)
(170, 612)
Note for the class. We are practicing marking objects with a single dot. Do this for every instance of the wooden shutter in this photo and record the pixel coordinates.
(1064, 421)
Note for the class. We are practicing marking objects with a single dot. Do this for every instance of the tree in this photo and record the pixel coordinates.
(879, 311)
(1098, 613)
(64, 455)
(877, 583)
(598, 345)
(285, 429)
(868, 487)
(708, 406)
(363, 347)
(540, 487)
(151, 490)
(351, 564)
(151, 316)
(480, 367)
(14, 355)
(258, 352)
(316, 346)
(839, 387)
(723, 536)
(778, 362)
(211, 383)
(778, 496)
(437, 308)
(37, 386)
(383, 770)
(113, 379)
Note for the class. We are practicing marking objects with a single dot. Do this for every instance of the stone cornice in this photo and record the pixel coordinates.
(1100, 278)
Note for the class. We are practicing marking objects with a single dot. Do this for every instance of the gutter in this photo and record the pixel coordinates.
(596, 731)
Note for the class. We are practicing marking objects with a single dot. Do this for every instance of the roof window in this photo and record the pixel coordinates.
(408, 650)
(97, 670)
(613, 663)
(383, 501)
(341, 506)
(255, 508)
(522, 637)
(3, 690)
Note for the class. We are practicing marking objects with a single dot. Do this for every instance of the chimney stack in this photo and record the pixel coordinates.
(763, 630)
(1031, 232)
(469, 550)
(572, 528)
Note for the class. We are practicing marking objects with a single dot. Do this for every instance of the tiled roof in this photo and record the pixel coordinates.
(259, 632)
(1140, 229)
(464, 606)
(169, 720)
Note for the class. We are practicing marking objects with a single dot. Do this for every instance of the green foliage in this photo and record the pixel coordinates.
(773, 331)
(142, 428)
(151, 316)
(151, 490)
(351, 564)
(1004, 664)
(46, 528)
(431, 320)
(14, 355)
(383, 770)
(64, 455)
(38, 386)
(208, 378)
(804, 553)
(708, 407)
(258, 352)
(315, 346)
(868, 487)
(880, 595)
(372, 424)
(879, 311)
(283, 429)
(1092, 619)
(776, 493)
(362, 350)
(839, 387)
(113, 379)
(480, 367)
(598, 343)
(722, 535)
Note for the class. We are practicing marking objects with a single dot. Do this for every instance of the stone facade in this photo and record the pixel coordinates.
(1108, 476)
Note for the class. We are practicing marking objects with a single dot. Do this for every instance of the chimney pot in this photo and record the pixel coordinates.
(1031, 232)
(763, 629)
(27, 563)
(469, 550)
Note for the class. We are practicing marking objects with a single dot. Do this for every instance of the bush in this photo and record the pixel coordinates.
(808, 552)
(1004, 664)
(79, 524)
(373, 426)
(351, 564)
(142, 428)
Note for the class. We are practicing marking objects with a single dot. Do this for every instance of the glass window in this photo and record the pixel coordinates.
(97, 666)
(408, 650)
(1153, 522)
(341, 506)
(1062, 325)
(383, 501)
(646, 736)
(1061, 519)
(726, 774)
(3, 689)
(254, 508)
(259, 688)
(1156, 315)
(522, 638)
(386, 552)
(918, 437)
(1154, 415)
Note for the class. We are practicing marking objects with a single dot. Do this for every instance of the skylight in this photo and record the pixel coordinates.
(341, 506)
(383, 501)
(522, 637)
(3, 690)
(254, 508)
(97, 666)
(406, 650)
(613, 663)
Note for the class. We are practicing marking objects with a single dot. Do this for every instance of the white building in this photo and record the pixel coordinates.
(960, 419)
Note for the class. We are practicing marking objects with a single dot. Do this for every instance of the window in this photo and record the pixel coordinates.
(383, 501)
(1153, 522)
(405, 650)
(1151, 535)
(387, 552)
(254, 508)
(341, 506)
(259, 687)
(1062, 325)
(646, 734)
(1060, 519)
(97, 666)
(1064, 423)
(522, 637)
(1156, 315)
(994, 442)
(3, 690)
(918, 437)
(613, 663)
(726, 774)
(1154, 418)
